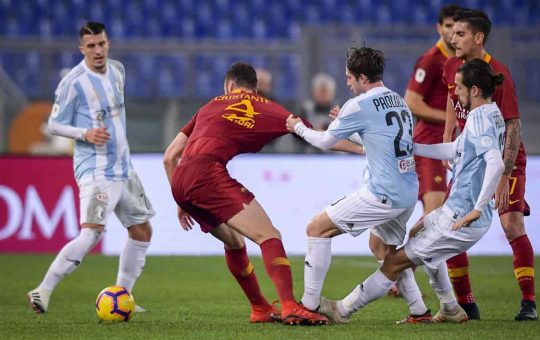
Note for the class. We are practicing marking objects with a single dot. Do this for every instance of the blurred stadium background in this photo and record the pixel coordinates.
(176, 52)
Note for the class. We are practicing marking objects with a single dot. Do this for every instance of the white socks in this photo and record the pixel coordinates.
(317, 262)
(131, 263)
(371, 289)
(440, 282)
(408, 287)
(70, 257)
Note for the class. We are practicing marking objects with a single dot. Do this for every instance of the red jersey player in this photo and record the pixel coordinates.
(471, 30)
(239, 121)
(426, 97)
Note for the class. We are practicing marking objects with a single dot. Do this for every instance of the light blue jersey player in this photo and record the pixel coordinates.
(382, 120)
(463, 219)
(89, 107)
(87, 100)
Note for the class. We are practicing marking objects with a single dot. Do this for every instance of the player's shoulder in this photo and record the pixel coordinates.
(499, 67)
(452, 63)
(351, 106)
(72, 76)
(116, 65)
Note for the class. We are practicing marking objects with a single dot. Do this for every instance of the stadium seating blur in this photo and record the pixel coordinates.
(217, 20)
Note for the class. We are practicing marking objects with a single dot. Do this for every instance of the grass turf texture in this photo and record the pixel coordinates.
(196, 297)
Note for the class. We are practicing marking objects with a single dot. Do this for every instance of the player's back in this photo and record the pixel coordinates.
(87, 99)
(234, 123)
(483, 130)
(384, 122)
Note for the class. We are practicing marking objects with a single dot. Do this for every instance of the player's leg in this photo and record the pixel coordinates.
(134, 211)
(458, 270)
(449, 311)
(243, 271)
(514, 229)
(372, 288)
(432, 200)
(318, 257)
(254, 223)
(97, 199)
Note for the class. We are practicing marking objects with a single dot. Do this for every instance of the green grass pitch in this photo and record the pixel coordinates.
(197, 298)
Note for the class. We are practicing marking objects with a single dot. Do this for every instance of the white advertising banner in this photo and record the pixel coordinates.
(292, 189)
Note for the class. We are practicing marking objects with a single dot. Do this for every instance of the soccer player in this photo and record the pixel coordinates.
(426, 96)
(89, 107)
(386, 201)
(470, 32)
(239, 121)
(465, 216)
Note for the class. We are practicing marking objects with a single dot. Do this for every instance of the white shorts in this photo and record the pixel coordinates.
(362, 210)
(100, 197)
(436, 242)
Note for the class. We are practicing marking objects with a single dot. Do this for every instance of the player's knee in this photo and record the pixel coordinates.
(141, 232)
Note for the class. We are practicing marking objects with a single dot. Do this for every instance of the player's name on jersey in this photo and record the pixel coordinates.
(242, 96)
(389, 101)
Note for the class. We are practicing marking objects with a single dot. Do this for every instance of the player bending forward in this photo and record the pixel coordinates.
(466, 215)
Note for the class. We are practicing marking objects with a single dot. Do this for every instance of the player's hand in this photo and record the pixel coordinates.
(472, 216)
(416, 228)
(186, 221)
(447, 165)
(334, 112)
(502, 194)
(291, 122)
(98, 136)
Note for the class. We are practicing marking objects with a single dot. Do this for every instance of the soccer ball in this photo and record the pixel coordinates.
(115, 304)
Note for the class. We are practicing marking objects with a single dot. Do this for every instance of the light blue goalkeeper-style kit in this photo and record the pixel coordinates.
(84, 100)
(483, 131)
(384, 122)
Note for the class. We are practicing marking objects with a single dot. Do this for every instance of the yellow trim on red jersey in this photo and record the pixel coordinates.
(443, 50)
(487, 58)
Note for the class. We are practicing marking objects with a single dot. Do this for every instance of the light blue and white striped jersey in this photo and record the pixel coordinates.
(86, 99)
(484, 130)
(384, 122)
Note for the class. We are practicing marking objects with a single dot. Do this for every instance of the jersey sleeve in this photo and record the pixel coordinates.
(423, 78)
(482, 134)
(349, 120)
(506, 98)
(188, 128)
(64, 108)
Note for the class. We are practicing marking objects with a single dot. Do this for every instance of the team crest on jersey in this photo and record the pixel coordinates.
(243, 115)
(101, 196)
(420, 75)
(55, 110)
(119, 86)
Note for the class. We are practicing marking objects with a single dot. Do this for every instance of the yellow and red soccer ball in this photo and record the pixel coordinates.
(115, 303)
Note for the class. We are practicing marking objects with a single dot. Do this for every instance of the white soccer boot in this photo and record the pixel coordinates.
(456, 315)
(39, 300)
(329, 308)
(139, 309)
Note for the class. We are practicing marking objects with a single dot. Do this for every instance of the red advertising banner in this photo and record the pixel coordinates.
(39, 204)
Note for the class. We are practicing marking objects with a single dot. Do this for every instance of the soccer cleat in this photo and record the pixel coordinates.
(422, 318)
(299, 315)
(39, 300)
(456, 315)
(527, 312)
(472, 310)
(263, 314)
(139, 309)
(329, 308)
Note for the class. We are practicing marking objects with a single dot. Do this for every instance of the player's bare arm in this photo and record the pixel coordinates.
(421, 110)
(98, 136)
(173, 153)
(170, 160)
(511, 148)
(449, 126)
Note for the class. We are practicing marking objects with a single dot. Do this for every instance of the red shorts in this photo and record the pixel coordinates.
(431, 175)
(517, 201)
(202, 186)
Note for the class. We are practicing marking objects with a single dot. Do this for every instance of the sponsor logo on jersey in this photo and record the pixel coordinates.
(243, 114)
(406, 165)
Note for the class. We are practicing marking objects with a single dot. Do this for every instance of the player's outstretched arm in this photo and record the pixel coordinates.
(442, 151)
(173, 153)
(319, 139)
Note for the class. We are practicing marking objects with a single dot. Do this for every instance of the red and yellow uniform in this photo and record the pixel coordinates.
(228, 125)
(426, 80)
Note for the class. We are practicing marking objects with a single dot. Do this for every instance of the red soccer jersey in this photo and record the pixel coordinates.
(426, 80)
(504, 95)
(234, 123)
